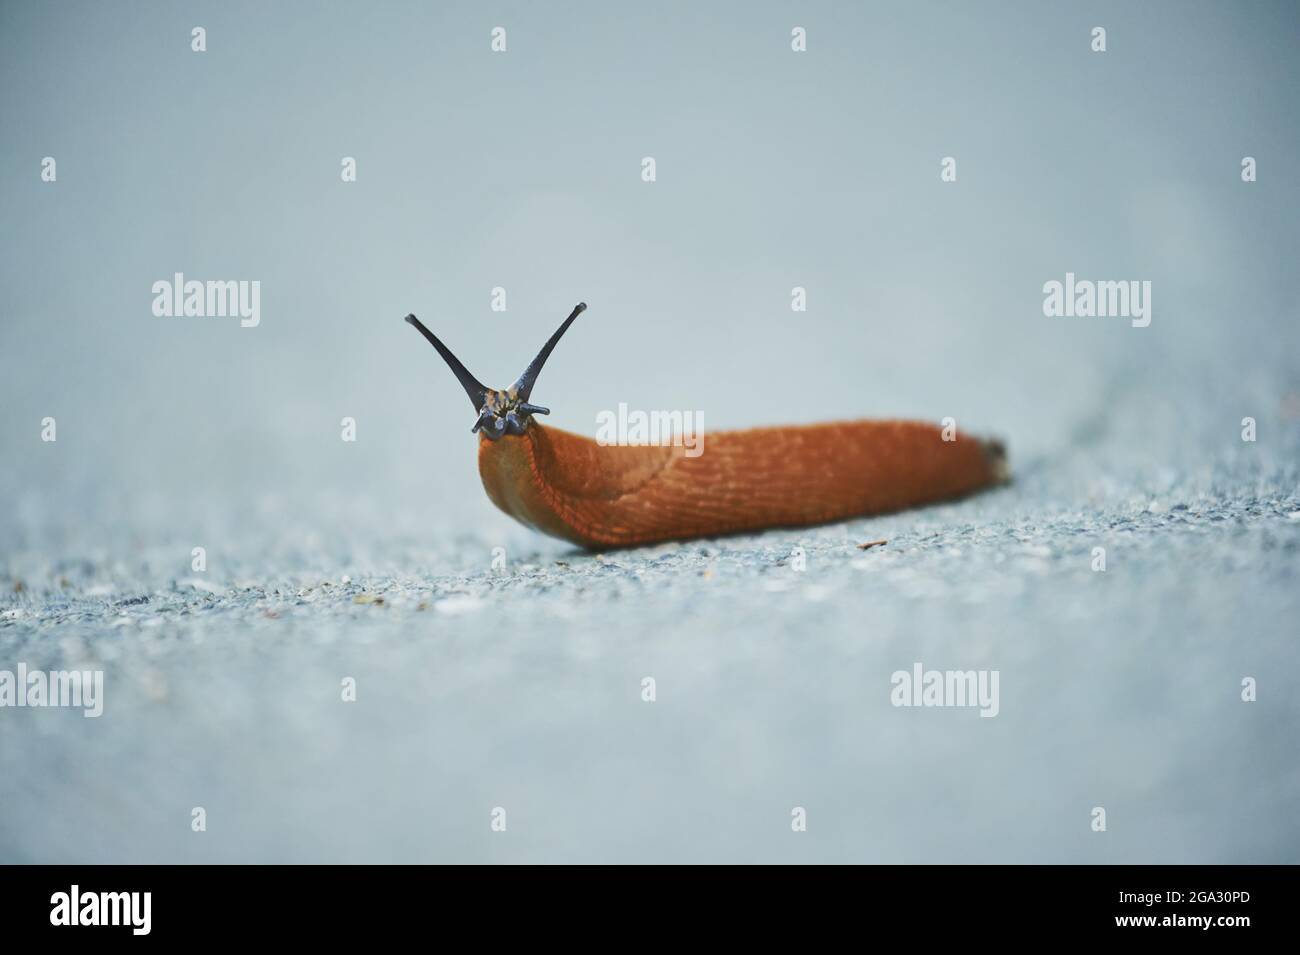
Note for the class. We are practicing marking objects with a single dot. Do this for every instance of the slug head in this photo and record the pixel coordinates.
(501, 412)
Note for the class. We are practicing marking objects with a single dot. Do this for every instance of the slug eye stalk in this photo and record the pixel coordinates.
(501, 412)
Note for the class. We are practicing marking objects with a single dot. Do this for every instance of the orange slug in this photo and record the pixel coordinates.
(603, 496)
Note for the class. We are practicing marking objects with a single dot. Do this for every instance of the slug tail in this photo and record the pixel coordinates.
(995, 457)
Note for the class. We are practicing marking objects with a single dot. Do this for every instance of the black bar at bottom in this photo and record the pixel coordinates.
(333, 904)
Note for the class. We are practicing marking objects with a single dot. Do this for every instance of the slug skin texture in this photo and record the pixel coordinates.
(597, 496)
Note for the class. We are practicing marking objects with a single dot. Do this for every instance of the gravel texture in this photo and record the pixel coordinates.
(481, 688)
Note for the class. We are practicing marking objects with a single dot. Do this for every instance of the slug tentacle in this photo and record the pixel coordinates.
(473, 387)
(524, 386)
(501, 412)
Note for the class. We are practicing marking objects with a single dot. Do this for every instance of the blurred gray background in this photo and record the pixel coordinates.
(522, 170)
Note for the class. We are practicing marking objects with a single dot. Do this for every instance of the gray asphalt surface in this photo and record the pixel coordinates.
(521, 689)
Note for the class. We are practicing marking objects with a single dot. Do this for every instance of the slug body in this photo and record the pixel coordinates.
(601, 496)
